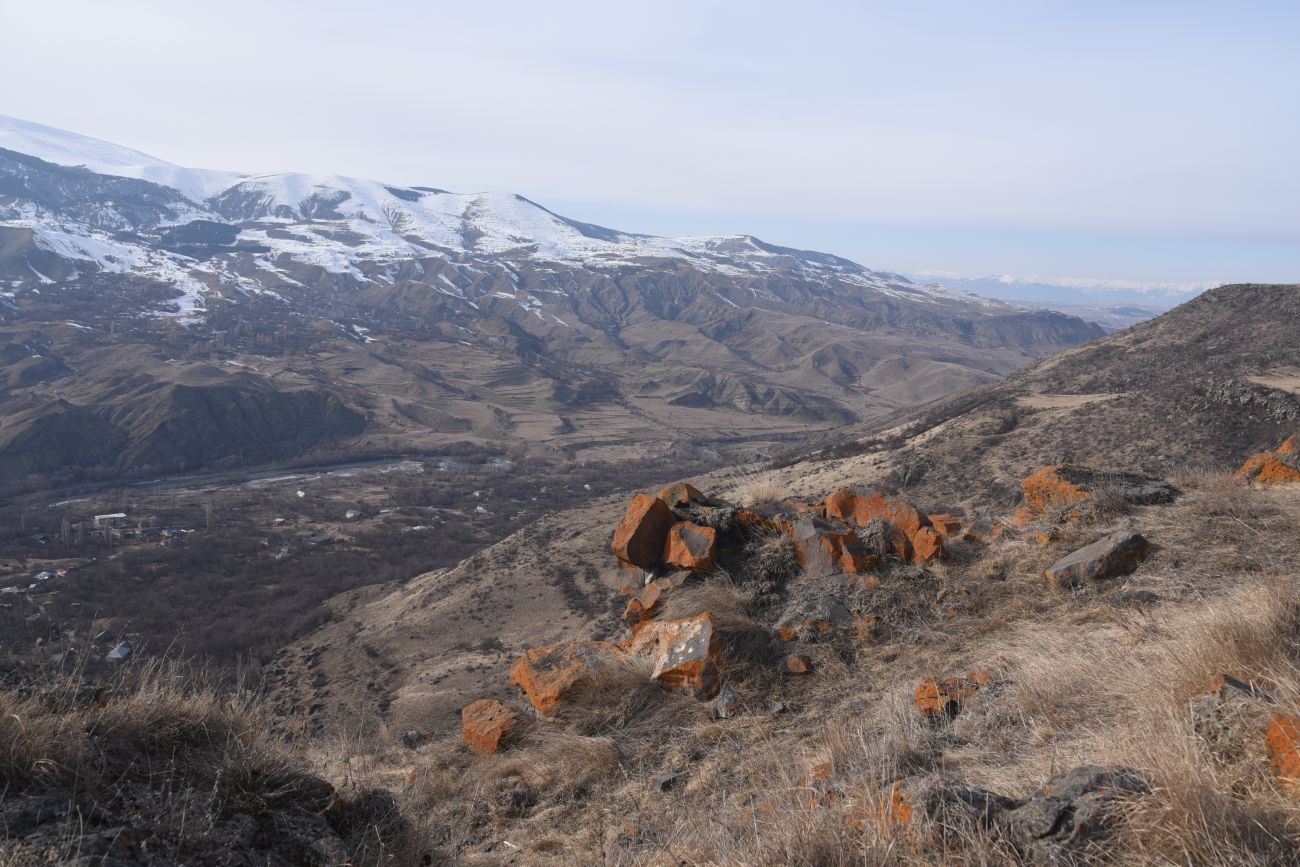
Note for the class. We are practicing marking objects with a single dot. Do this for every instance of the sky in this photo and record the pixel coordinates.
(1152, 142)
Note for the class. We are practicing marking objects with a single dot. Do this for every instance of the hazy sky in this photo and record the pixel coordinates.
(1154, 141)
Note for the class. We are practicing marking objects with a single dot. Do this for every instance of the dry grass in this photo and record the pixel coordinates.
(1079, 679)
(751, 487)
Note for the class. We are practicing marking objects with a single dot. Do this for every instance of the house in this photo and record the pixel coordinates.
(112, 519)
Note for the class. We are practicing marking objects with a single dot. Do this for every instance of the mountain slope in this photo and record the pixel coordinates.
(441, 317)
(1206, 384)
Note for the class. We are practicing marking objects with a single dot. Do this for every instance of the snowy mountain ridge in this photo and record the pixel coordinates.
(354, 226)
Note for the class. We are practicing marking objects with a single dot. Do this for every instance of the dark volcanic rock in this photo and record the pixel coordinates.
(1116, 554)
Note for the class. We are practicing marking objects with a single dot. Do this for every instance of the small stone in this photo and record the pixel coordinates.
(666, 782)
(1283, 742)
(797, 663)
(729, 703)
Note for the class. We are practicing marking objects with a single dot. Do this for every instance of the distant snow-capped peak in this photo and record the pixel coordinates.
(349, 226)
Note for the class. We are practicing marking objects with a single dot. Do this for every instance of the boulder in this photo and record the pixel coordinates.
(487, 724)
(682, 495)
(942, 698)
(1116, 554)
(927, 545)
(686, 653)
(1064, 490)
(1283, 742)
(1071, 811)
(820, 544)
(1273, 468)
(690, 547)
(549, 674)
(639, 538)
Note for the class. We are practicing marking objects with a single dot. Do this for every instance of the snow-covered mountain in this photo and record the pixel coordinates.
(217, 316)
(357, 224)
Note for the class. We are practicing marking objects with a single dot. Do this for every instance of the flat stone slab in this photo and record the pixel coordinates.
(1116, 554)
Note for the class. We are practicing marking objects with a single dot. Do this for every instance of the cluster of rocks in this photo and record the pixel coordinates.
(1275, 467)
(665, 540)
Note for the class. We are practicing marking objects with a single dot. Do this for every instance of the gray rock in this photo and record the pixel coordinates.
(729, 703)
(1071, 812)
(953, 805)
(1116, 554)
(666, 782)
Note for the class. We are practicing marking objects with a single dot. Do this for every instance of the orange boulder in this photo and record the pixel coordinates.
(639, 537)
(1272, 468)
(927, 545)
(548, 674)
(487, 724)
(947, 526)
(1290, 446)
(1283, 742)
(686, 653)
(690, 547)
(819, 544)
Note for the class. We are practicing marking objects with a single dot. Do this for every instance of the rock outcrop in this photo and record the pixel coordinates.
(1066, 492)
(1276, 467)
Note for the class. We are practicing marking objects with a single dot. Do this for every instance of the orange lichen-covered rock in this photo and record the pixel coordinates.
(639, 537)
(938, 698)
(686, 653)
(927, 545)
(1046, 491)
(855, 507)
(797, 663)
(947, 526)
(819, 544)
(548, 674)
(1273, 468)
(1290, 446)
(1283, 742)
(640, 607)
(690, 547)
(487, 724)
(855, 559)
(682, 494)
